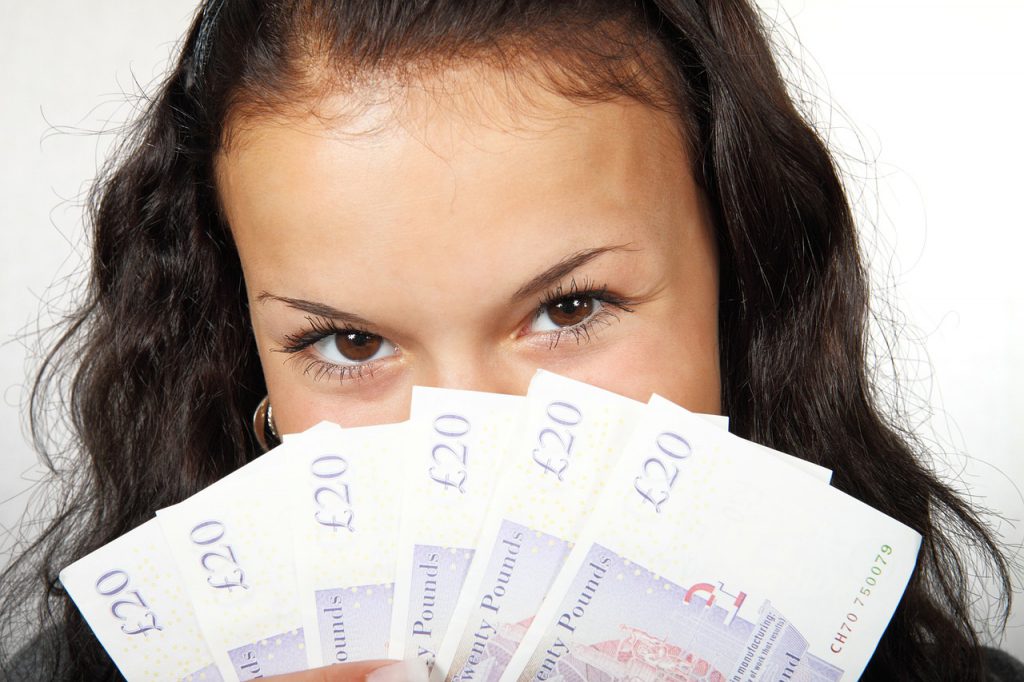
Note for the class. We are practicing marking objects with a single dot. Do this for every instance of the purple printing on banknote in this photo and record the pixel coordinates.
(523, 564)
(276, 655)
(620, 621)
(354, 622)
(437, 577)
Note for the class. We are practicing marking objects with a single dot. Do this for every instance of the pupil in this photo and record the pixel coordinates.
(357, 345)
(570, 311)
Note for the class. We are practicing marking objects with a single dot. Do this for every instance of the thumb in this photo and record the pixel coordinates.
(370, 671)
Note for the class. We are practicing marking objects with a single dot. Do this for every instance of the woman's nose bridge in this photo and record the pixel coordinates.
(476, 371)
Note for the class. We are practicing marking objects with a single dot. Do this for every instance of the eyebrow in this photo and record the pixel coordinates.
(539, 283)
(562, 268)
(315, 308)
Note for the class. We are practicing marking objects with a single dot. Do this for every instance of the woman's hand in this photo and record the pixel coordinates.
(371, 671)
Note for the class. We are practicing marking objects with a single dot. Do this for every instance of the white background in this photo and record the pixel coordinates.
(922, 99)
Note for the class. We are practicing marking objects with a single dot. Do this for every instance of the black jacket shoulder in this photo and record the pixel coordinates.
(1002, 667)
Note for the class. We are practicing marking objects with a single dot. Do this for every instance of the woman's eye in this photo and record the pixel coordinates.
(353, 347)
(565, 312)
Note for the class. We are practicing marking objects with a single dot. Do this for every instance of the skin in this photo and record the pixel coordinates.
(460, 228)
(344, 672)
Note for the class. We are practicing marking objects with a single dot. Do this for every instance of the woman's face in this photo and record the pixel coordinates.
(451, 236)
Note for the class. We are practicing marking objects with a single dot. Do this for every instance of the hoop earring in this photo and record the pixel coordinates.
(263, 425)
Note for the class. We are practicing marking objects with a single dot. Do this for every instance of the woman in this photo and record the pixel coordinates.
(329, 202)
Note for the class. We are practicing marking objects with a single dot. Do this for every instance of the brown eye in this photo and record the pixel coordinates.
(357, 346)
(353, 347)
(566, 312)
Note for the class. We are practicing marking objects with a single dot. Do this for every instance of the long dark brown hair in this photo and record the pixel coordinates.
(156, 374)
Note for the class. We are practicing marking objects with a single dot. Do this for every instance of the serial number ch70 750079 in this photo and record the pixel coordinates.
(846, 628)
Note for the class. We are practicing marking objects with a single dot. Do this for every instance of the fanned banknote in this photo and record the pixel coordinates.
(233, 547)
(613, 540)
(573, 434)
(344, 495)
(459, 441)
(130, 593)
(707, 560)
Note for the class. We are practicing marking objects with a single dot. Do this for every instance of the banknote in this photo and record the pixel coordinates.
(706, 559)
(233, 549)
(572, 436)
(458, 445)
(343, 492)
(131, 594)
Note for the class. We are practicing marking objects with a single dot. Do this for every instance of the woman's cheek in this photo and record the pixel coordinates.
(639, 363)
(300, 400)
(668, 345)
(297, 408)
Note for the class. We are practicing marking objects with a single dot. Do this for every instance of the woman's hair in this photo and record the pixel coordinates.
(156, 374)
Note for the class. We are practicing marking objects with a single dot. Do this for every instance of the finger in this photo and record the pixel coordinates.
(371, 671)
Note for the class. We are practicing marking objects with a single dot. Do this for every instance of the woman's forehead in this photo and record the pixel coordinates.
(426, 176)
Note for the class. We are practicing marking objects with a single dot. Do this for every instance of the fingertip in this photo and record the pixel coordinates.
(401, 671)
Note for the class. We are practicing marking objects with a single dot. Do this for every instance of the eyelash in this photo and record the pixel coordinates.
(581, 332)
(320, 327)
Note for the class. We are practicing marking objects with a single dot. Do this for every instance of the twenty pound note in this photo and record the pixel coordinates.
(232, 546)
(344, 510)
(573, 434)
(458, 445)
(706, 559)
(130, 593)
